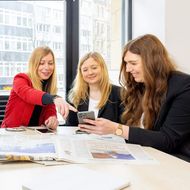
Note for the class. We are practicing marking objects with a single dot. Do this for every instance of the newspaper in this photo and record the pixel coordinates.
(102, 151)
(72, 149)
(27, 148)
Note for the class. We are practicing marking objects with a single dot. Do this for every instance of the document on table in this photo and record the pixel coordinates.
(29, 148)
(73, 149)
(60, 178)
(94, 151)
(66, 177)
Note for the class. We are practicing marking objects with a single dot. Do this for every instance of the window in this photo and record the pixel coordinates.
(24, 21)
(18, 20)
(18, 45)
(101, 31)
(7, 18)
(57, 29)
(24, 46)
(1, 16)
(26, 25)
(7, 45)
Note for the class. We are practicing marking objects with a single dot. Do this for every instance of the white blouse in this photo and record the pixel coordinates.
(93, 106)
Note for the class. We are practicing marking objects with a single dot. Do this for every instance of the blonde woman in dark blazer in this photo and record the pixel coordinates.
(92, 90)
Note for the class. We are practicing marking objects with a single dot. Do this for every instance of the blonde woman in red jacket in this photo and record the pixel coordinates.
(33, 97)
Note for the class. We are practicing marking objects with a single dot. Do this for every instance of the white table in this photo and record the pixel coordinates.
(170, 173)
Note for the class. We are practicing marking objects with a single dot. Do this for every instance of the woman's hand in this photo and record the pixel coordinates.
(63, 107)
(99, 126)
(52, 122)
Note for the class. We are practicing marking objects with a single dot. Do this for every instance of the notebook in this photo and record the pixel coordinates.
(72, 177)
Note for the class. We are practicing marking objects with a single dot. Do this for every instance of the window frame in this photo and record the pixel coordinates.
(72, 41)
(72, 35)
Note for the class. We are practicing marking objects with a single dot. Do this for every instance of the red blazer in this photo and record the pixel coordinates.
(22, 100)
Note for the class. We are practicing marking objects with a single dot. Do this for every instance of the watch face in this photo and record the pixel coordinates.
(119, 132)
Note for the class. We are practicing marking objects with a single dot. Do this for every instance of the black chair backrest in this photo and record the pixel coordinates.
(3, 103)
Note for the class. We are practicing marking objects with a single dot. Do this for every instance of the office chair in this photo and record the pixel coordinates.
(3, 103)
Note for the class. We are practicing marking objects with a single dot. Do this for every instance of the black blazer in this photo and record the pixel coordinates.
(112, 110)
(171, 131)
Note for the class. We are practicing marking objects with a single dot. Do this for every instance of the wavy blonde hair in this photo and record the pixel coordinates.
(34, 63)
(80, 89)
(145, 98)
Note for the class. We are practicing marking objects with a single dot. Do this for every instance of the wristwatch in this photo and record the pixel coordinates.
(119, 130)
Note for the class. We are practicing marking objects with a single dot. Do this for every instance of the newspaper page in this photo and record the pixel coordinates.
(70, 148)
(90, 151)
(27, 148)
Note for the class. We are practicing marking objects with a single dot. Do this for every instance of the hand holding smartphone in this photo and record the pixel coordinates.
(85, 115)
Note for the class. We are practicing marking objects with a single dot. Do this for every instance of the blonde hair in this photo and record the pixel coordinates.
(146, 97)
(80, 89)
(34, 62)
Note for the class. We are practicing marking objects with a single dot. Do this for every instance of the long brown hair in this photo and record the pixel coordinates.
(80, 89)
(145, 98)
(34, 63)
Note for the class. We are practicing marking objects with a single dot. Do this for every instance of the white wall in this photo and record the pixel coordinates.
(149, 17)
(169, 20)
(177, 31)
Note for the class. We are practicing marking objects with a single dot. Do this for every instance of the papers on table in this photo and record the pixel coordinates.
(24, 147)
(103, 151)
(71, 148)
(72, 177)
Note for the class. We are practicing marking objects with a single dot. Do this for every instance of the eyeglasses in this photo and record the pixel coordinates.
(16, 129)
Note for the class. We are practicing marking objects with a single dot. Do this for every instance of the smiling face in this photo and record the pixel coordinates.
(91, 71)
(134, 66)
(46, 67)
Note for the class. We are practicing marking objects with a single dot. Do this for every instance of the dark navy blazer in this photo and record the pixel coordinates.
(171, 131)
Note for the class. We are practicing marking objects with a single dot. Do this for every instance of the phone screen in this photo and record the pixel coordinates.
(44, 130)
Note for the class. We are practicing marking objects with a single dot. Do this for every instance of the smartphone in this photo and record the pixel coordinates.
(85, 115)
(78, 131)
(44, 130)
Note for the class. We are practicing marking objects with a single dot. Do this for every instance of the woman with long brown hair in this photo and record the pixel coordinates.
(156, 98)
